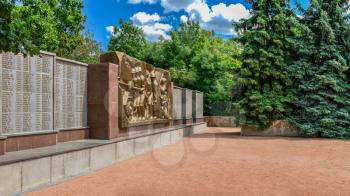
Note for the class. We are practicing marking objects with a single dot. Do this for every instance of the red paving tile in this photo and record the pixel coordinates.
(222, 163)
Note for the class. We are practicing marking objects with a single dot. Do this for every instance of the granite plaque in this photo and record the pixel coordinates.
(26, 93)
(70, 95)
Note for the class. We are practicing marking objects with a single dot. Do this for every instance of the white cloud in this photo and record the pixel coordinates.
(110, 29)
(218, 18)
(144, 18)
(164, 27)
(156, 30)
(184, 18)
(168, 5)
(151, 25)
(177, 5)
(199, 11)
(142, 1)
(233, 12)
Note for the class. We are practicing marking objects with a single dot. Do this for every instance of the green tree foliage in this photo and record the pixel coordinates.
(88, 51)
(186, 42)
(8, 27)
(198, 60)
(261, 93)
(321, 83)
(28, 26)
(213, 69)
(195, 57)
(155, 53)
(129, 39)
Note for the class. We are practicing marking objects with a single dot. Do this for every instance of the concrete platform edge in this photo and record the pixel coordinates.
(20, 177)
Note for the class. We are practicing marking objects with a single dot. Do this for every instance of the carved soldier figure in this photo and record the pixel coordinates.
(137, 97)
(156, 95)
(164, 98)
(148, 96)
(138, 87)
(126, 104)
(142, 94)
(145, 91)
(132, 84)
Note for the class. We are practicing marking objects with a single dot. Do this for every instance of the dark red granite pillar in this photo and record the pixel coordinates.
(2, 145)
(103, 101)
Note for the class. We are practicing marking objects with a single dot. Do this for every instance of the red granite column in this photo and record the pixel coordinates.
(2, 145)
(103, 101)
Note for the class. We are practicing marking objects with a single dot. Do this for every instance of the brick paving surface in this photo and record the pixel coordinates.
(220, 162)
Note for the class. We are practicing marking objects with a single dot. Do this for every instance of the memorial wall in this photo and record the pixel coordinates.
(177, 103)
(26, 93)
(145, 91)
(41, 93)
(44, 100)
(70, 95)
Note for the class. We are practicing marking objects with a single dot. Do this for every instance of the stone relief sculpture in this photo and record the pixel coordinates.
(145, 91)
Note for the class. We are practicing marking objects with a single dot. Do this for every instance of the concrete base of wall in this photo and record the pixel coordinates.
(188, 121)
(72, 135)
(30, 169)
(278, 128)
(30, 140)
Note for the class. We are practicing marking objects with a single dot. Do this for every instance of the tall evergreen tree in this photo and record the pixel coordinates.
(322, 87)
(261, 92)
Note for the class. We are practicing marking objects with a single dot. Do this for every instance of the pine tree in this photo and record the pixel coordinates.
(261, 93)
(321, 83)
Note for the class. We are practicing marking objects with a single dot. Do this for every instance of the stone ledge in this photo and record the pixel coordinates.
(72, 129)
(148, 122)
(220, 121)
(47, 53)
(278, 128)
(3, 137)
(31, 133)
(71, 61)
(61, 148)
(28, 170)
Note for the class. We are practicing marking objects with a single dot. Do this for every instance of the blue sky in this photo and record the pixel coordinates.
(159, 17)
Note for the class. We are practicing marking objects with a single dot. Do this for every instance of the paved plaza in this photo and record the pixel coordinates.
(220, 162)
